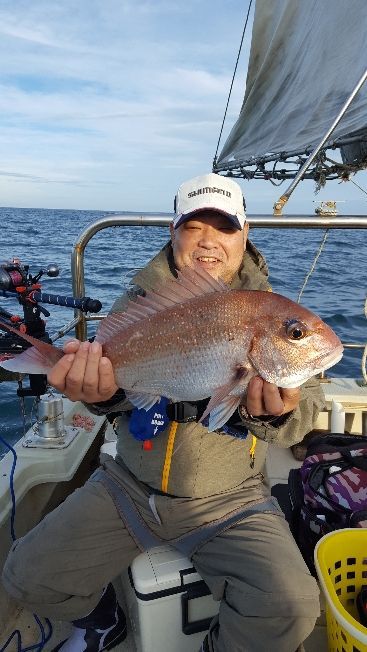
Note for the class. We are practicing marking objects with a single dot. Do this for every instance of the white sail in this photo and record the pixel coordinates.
(306, 58)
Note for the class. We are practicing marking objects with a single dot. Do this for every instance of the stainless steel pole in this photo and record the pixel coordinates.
(279, 205)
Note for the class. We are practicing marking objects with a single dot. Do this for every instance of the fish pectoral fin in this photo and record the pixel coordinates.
(221, 412)
(225, 400)
(142, 400)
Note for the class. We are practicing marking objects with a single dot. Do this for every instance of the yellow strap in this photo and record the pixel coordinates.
(252, 451)
(168, 458)
(253, 445)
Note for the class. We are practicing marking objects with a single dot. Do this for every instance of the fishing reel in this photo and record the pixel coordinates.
(18, 283)
(14, 275)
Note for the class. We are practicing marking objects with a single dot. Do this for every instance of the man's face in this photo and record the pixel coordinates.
(211, 242)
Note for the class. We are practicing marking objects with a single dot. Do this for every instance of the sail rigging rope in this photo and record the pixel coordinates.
(360, 187)
(231, 87)
(312, 268)
(322, 244)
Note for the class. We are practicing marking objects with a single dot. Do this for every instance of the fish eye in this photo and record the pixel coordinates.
(295, 330)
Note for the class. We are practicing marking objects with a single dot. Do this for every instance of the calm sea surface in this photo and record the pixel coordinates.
(336, 289)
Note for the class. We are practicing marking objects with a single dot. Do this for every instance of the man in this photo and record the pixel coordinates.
(202, 491)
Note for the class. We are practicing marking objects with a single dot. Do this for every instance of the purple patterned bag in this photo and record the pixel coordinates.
(329, 491)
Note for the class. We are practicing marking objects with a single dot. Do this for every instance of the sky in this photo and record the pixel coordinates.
(111, 104)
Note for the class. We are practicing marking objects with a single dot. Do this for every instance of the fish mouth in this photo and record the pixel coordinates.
(329, 359)
(323, 362)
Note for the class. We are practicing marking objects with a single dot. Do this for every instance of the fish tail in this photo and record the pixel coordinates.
(38, 359)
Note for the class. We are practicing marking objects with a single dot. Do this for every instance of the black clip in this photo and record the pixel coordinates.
(182, 412)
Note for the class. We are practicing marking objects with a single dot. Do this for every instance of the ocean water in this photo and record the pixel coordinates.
(336, 289)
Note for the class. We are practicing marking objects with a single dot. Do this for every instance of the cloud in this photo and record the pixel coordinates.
(110, 104)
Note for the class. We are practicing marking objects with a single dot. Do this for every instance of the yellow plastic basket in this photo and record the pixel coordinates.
(341, 564)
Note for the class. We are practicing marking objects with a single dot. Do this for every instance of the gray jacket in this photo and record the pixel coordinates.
(194, 462)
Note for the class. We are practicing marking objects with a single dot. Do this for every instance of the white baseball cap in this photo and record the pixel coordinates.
(210, 192)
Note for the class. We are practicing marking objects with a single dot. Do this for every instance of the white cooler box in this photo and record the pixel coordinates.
(169, 604)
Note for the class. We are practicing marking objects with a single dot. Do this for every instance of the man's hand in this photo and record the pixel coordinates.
(83, 374)
(268, 399)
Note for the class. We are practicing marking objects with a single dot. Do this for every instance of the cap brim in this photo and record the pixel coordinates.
(188, 216)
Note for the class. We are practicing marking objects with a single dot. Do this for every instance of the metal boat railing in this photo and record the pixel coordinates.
(158, 219)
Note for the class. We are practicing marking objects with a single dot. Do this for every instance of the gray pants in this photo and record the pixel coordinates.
(268, 598)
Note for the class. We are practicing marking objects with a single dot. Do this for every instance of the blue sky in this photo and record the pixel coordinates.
(111, 104)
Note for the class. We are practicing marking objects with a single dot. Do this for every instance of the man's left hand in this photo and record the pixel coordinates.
(265, 398)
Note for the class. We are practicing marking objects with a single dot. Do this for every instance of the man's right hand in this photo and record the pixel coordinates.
(84, 374)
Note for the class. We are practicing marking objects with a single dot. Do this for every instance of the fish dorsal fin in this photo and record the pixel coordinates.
(189, 284)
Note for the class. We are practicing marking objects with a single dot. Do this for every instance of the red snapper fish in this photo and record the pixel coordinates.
(195, 338)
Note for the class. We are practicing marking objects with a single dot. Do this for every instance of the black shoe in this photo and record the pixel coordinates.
(103, 629)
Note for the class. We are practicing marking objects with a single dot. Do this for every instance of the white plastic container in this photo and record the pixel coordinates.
(169, 605)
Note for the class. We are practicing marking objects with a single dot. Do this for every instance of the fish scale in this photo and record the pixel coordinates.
(182, 328)
(190, 376)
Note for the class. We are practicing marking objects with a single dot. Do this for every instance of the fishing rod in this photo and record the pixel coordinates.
(18, 283)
